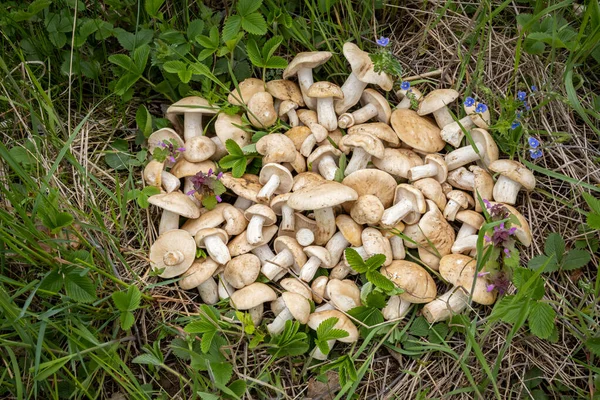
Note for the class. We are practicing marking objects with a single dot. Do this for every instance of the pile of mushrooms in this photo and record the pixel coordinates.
(294, 218)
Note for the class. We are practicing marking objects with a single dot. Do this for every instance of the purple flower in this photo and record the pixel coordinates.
(481, 108)
(501, 283)
(521, 95)
(534, 88)
(162, 144)
(469, 101)
(482, 274)
(487, 238)
(501, 235)
(172, 159)
(405, 85)
(496, 210)
(191, 192)
(507, 252)
(218, 199)
(181, 149)
(490, 287)
(533, 142)
(220, 175)
(515, 125)
(535, 153)
(383, 41)
(210, 172)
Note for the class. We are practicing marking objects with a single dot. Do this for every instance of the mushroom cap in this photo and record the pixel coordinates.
(229, 127)
(298, 306)
(432, 190)
(261, 210)
(375, 243)
(417, 132)
(318, 288)
(278, 202)
(363, 67)
(367, 209)
(176, 240)
(419, 287)
(368, 143)
(343, 322)
(276, 148)
(245, 90)
(252, 295)
(210, 219)
(380, 130)
(183, 168)
(440, 163)
(298, 135)
(481, 120)
(523, 233)
(286, 106)
(201, 270)
(461, 198)
(321, 253)
(242, 270)
(374, 182)
(161, 135)
(415, 196)
(435, 100)
(236, 223)
(199, 148)
(239, 244)
(325, 195)
(176, 202)
(372, 96)
(295, 286)
(335, 136)
(310, 59)
(471, 218)
(192, 104)
(153, 173)
(315, 157)
(289, 243)
(515, 171)
(261, 111)
(324, 90)
(306, 179)
(461, 270)
(482, 136)
(436, 230)
(460, 178)
(397, 162)
(413, 232)
(286, 90)
(202, 234)
(286, 180)
(247, 186)
(351, 231)
(483, 184)
(344, 294)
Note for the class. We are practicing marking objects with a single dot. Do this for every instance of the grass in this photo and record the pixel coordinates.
(59, 329)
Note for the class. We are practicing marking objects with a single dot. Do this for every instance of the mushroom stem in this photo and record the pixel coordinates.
(264, 195)
(173, 258)
(336, 246)
(325, 307)
(217, 250)
(169, 181)
(318, 355)
(309, 269)
(293, 118)
(453, 134)
(466, 230)
(452, 208)
(168, 221)
(264, 253)
(443, 117)
(405, 103)
(325, 219)
(308, 145)
(505, 190)
(352, 89)
(327, 167)
(447, 305)
(422, 171)
(340, 271)
(278, 324)
(305, 81)
(288, 220)
(396, 308)
(255, 228)
(397, 244)
(466, 243)
(326, 113)
(346, 120)
(305, 237)
(242, 203)
(192, 125)
(278, 306)
(278, 264)
(463, 156)
(225, 290)
(256, 314)
(360, 159)
(209, 291)
(394, 214)
(359, 116)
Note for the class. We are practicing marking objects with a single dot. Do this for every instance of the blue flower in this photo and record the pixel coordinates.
(469, 101)
(405, 85)
(521, 95)
(481, 108)
(527, 107)
(533, 142)
(518, 114)
(535, 153)
(515, 125)
(533, 88)
(383, 41)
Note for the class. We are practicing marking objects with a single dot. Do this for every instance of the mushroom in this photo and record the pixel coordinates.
(397, 162)
(288, 108)
(321, 199)
(239, 244)
(435, 103)
(173, 252)
(199, 148)
(235, 223)
(409, 204)
(276, 148)
(367, 210)
(258, 215)
(483, 186)
(183, 168)
(380, 130)
(173, 204)
(373, 105)
(318, 257)
(396, 242)
(305, 237)
(325, 93)
(343, 295)
(252, 298)
(275, 180)
(289, 254)
(437, 236)
(453, 132)
(364, 147)
(464, 244)
(210, 219)
(242, 270)
(457, 200)
(302, 66)
(298, 135)
(371, 182)
(523, 233)
(462, 179)
(230, 127)
(407, 96)
(324, 159)
(290, 96)
(318, 131)
(296, 307)
(214, 240)
(434, 167)
(280, 207)
(460, 271)
(418, 285)
(200, 276)
(246, 187)
(342, 323)
(192, 108)
(432, 190)
(488, 151)
(363, 73)
(164, 135)
(375, 243)
(349, 234)
(224, 288)
(298, 165)
(318, 288)
(417, 132)
(296, 286)
(513, 177)
(155, 175)
(261, 112)
(244, 91)
(471, 223)
(306, 179)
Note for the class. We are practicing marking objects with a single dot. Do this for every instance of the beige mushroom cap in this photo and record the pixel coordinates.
(461, 270)
(306, 179)
(462, 198)
(210, 219)
(515, 171)
(329, 194)
(296, 286)
(176, 202)
(344, 323)
(261, 111)
(162, 135)
(200, 271)
(288, 243)
(199, 148)
(286, 180)
(436, 230)
(278, 202)
(481, 120)
(245, 90)
(315, 157)
(298, 305)
(321, 253)
(367, 209)
(311, 59)
(298, 135)
(417, 132)
(286, 106)
(229, 127)
(416, 197)
(435, 100)
(419, 287)
(380, 130)
(439, 161)
(252, 295)
(183, 168)
(192, 104)
(523, 233)
(372, 96)
(276, 148)
(174, 251)
(247, 186)
(344, 294)
(261, 210)
(351, 231)
(324, 89)
(432, 190)
(318, 288)
(483, 185)
(368, 143)
(242, 270)
(206, 232)
(363, 67)
(239, 244)
(286, 90)
(235, 221)
(375, 243)
(153, 173)
(471, 218)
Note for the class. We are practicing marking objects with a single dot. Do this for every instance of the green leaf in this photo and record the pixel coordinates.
(239, 168)
(148, 359)
(129, 300)
(124, 83)
(592, 202)
(207, 340)
(593, 345)
(254, 53)
(231, 27)
(541, 319)
(175, 66)
(129, 41)
(185, 76)
(80, 288)
(208, 396)
(524, 18)
(221, 372)
(233, 148)
(238, 387)
(270, 46)
(118, 158)
(508, 310)
(375, 299)
(229, 161)
(143, 119)
(377, 279)
(533, 47)
(522, 275)
(355, 261)
(254, 24)
(368, 315)
(49, 368)
(555, 245)
(419, 327)
(375, 261)
(246, 7)
(326, 330)
(195, 28)
(53, 282)
(124, 62)
(276, 62)
(210, 202)
(127, 320)
(593, 220)
(140, 57)
(541, 260)
(576, 259)
(152, 7)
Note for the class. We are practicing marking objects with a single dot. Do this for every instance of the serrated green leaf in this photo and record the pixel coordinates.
(254, 53)
(555, 245)
(419, 327)
(228, 161)
(231, 27)
(593, 220)
(239, 168)
(233, 148)
(174, 66)
(533, 46)
(195, 28)
(127, 320)
(576, 259)
(541, 319)
(209, 202)
(238, 387)
(185, 76)
(254, 24)
(375, 261)
(152, 7)
(219, 188)
(129, 300)
(246, 7)
(379, 280)
(508, 310)
(147, 359)
(270, 46)
(207, 340)
(355, 261)
(221, 372)
(140, 57)
(276, 62)
(53, 282)
(124, 62)
(208, 396)
(124, 83)
(143, 119)
(592, 202)
(593, 345)
(522, 275)
(376, 300)
(326, 325)
(80, 288)
(541, 260)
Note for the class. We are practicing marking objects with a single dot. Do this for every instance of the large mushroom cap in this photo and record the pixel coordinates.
(296, 286)
(245, 90)
(321, 253)
(276, 148)
(283, 89)
(311, 59)
(242, 270)
(461, 270)
(432, 190)
(200, 271)
(437, 230)
(306, 179)
(375, 243)
(252, 295)
(515, 171)
(261, 110)
(363, 67)
(192, 104)
(176, 202)
(229, 127)
(351, 231)
(380, 130)
(183, 168)
(343, 323)
(199, 148)
(397, 162)
(384, 111)
(323, 89)
(417, 132)
(417, 283)
(471, 218)
(173, 252)
(436, 99)
(344, 294)
(523, 233)
(247, 186)
(368, 143)
(329, 194)
(298, 305)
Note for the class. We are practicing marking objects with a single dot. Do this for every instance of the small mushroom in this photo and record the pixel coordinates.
(230, 127)
(261, 112)
(155, 175)
(397, 162)
(199, 148)
(435, 103)
(318, 288)
(252, 298)
(296, 286)
(325, 93)
(342, 323)
(371, 181)
(343, 295)
(380, 130)
(244, 91)
(302, 66)
(288, 109)
(406, 97)
(471, 223)
(418, 285)
(396, 242)
(432, 190)
(318, 257)
(483, 186)
(453, 132)
(173, 252)
(462, 179)
(210, 219)
(235, 223)
(200, 276)
(174, 204)
(289, 255)
(305, 237)
(486, 147)
(242, 270)
(318, 131)
(367, 210)
(165, 135)
(375, 243)
(513, 177)
(275, 180)
(373, 105)
(417, 132)
(258, 215)
(465, 244)
(192, 108)
(324, 159)
(457, 200)
(296, 307)
(183, 168)
(434, 167)
(246, 187)
(276, 148)
(214, 240)
(437, 236)
(239, 244)
(280, 207)
(409, 204)
(364, 147)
